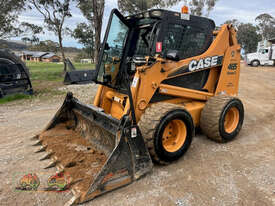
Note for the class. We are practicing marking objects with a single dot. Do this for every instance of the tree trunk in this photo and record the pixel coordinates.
(97, 48)
(92, 55)
(62, 50)
(98, 11)
(98, 26)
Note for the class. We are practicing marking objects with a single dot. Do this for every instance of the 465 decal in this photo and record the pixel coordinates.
(233, 66)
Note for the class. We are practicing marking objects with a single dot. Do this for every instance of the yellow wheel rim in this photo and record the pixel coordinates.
(174, 135)
(231, 120)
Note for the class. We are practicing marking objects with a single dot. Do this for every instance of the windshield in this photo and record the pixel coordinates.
(113, 50)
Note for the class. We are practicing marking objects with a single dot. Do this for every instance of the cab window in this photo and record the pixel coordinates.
(188, 40)
(263, 51)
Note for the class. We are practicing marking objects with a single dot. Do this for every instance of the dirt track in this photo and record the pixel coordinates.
(241, 172)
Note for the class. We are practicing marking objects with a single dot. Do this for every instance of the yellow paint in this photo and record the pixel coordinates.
(174, 135)
(149, 78)
(231, 119)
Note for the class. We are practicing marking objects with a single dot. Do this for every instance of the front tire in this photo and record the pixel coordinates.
(222, 118)
(168, 131)
(255, 63)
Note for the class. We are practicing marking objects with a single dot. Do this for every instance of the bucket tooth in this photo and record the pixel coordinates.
(41, 149)
(38, 143)
(35, 138)
(47, 156)
(52, 164)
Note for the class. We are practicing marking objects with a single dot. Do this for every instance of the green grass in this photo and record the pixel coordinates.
(46, 79)
(51, 71)
(14, 97)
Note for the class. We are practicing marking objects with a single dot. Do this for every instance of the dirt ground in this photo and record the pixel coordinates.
(241, 172)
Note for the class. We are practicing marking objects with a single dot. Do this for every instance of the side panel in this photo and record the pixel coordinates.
(212, 81)
(195, 109)
(150, 78)
(230, 73)
(223, 77)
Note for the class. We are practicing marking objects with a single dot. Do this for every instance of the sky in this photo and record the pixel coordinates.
(244, 10)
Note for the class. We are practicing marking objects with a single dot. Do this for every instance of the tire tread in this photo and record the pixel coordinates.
(210, 117)
(149, 122)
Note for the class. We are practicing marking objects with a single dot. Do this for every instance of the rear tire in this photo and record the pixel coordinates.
(222, 118)
(167, 130)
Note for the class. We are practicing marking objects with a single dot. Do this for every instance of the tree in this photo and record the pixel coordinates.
(29, 31)
(248, 37)
(197, 7)
(9, 25)
(81, 55)
(93, 11)
(266, 26)
(55, 12)
(85, 35)
(9, 11)
(31, 41)
(201, 7)
(136, 6)
(45, 46)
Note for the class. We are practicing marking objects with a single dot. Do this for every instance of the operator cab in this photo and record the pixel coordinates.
(139, 39)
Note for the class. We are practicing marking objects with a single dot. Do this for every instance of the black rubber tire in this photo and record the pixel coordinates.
(152, 124)
(213, 115)
(6, 54)
(255, 63)
(6, 57)
(1, 93)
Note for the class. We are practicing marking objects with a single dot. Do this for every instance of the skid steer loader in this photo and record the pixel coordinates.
(161, 75)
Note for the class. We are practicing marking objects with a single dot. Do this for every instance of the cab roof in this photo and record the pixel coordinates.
(173, 16)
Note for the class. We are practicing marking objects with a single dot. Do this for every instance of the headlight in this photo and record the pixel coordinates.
(156, 13)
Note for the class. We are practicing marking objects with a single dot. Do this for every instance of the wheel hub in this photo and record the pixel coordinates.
(174, 135)
(231, 120)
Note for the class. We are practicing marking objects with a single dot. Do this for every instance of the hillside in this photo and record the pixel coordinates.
(12, 45)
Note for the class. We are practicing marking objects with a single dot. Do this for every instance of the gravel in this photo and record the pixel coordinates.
(85, 93)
